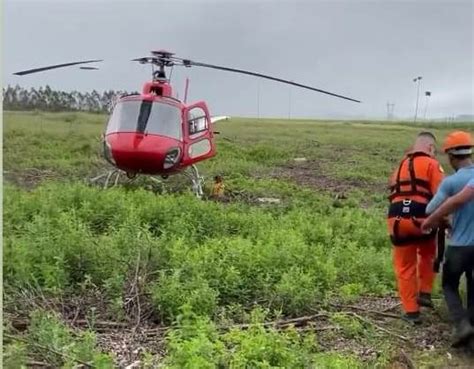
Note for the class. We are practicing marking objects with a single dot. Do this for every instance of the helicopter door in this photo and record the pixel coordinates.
(198, 135)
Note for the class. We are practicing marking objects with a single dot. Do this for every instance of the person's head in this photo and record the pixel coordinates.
(458, 145)
(426, 142)
(218, 179)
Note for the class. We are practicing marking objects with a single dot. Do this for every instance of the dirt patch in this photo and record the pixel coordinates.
(130, 349)
(433, 333)
(29, 178)
(311, 174)
(427, 345)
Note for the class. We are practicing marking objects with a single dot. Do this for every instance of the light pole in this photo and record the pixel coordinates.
(417, 95)
(427, 94)
(289, 102)
(258, 99)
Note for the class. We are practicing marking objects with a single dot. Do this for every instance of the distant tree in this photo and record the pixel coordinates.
(47, 99)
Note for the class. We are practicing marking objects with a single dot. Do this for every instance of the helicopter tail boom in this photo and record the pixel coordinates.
(219, 118)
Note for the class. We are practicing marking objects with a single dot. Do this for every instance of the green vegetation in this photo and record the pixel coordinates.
(201, 269)
(52, 341)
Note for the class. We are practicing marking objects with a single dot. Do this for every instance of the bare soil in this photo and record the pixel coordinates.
(29, 178)
(311, 174)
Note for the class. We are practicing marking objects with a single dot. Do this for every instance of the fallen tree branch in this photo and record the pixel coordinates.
(407, 360)
(38, 363)
(100, 324)
(61, 354)
(319, 329)
(382, 313)
(297, 322)
(391, 307)
(21, 325)
(365, 320)
(280, 323)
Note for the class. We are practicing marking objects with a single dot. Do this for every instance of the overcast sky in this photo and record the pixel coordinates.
(368, 50)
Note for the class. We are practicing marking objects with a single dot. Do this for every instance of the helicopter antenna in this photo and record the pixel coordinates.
(186, 90)
(171, 73)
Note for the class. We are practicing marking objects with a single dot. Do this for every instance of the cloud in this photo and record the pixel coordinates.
(369, 50)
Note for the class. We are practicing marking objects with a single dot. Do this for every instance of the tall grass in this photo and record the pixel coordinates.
(201, 264)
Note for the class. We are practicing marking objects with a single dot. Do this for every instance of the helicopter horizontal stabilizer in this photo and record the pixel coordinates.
(219, 118)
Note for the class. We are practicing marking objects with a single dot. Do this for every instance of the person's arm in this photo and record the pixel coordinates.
(441, 195)
(451, 204)
(436, 175)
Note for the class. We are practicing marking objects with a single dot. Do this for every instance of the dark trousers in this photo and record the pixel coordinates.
(459, 261)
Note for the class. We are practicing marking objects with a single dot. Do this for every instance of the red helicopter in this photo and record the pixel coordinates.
(156, 134)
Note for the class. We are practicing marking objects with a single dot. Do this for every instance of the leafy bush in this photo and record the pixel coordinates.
(52, 342)
(204, 254)
(15, 355)
(195, 343)
(218, 260)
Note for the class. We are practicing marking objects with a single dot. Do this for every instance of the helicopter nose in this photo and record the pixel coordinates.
(147, 154)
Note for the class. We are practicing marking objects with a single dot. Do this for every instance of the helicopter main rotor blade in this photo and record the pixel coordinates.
(42, 69)
(187, 62)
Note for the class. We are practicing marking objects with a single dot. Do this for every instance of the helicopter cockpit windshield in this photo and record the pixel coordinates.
(148, 117)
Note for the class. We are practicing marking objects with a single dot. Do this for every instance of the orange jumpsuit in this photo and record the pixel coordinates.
(218, 189)
(412, 185)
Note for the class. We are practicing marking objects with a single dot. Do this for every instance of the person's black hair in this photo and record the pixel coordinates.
(462, 156)
(427, 134)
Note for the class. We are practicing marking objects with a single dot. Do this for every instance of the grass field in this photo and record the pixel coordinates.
(157, 277)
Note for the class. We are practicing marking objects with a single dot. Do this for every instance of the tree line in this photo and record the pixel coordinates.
(47, 99)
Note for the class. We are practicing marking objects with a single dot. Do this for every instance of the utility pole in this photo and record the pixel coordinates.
(390, 108)
(417, 95)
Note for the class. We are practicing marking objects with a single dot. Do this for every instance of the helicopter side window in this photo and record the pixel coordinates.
(197, 121)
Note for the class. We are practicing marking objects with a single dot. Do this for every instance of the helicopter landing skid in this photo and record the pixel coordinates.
(112, 179)
(197, 181)
(108, 178)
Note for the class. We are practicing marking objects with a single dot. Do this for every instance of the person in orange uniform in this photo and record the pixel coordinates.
(218, 188)
(413, 184)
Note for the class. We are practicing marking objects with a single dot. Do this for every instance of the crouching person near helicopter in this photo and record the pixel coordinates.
(218, 188)
(460, 253)
(413, 185)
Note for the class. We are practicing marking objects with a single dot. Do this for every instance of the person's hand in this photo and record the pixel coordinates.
(428, 225)
(445, 222)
